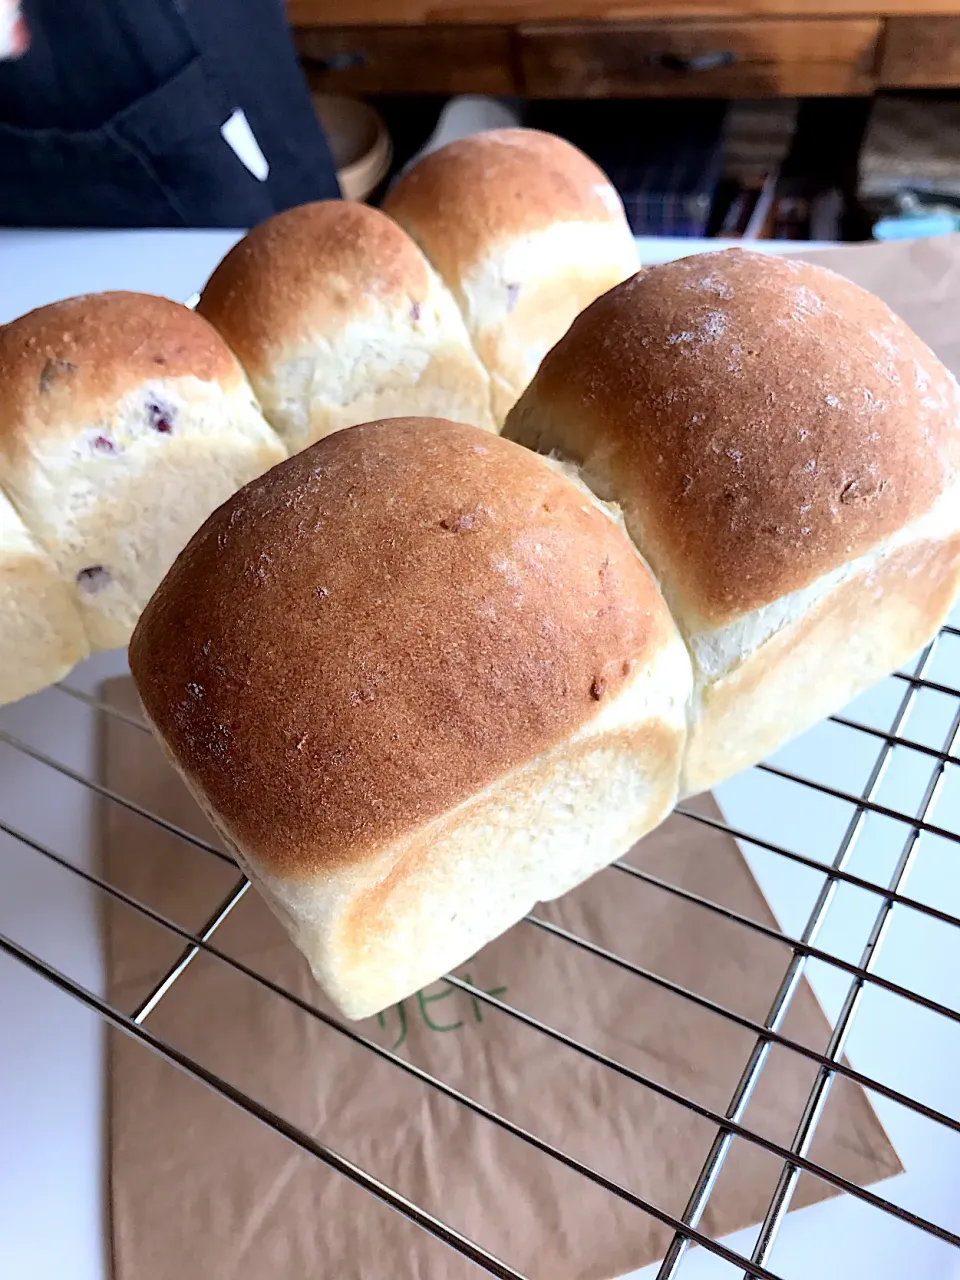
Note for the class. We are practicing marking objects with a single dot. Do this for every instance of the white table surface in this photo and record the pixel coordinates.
(51, 1172)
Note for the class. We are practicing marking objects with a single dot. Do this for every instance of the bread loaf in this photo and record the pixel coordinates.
(124, 420)
(41, 634)
(420, 681)
(337, 318)
(525, 231)
(785, 451)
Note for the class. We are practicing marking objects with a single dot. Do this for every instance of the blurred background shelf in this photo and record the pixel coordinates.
(585, 49)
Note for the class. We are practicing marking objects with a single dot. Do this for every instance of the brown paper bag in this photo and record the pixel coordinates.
(198, 1189)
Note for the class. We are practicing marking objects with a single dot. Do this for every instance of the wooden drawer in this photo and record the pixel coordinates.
(318, 13)
(759, 58)
(408, 59)
(921, 53)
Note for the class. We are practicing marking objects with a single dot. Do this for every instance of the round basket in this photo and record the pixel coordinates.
(359, 141)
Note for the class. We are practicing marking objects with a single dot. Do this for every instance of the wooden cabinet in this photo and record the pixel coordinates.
(389, 13)
(628, 48)
(921, 53)
(764, 58)
(434, 59)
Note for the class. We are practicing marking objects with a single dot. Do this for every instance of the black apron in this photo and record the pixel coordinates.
(113, 116)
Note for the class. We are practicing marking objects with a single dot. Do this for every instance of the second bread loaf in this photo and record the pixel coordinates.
(787, 456)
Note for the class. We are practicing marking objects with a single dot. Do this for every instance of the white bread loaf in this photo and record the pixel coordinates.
(419, 681)
(124, 421)
(786, 453)
(41, 631)
(525, 231)
(338, 318)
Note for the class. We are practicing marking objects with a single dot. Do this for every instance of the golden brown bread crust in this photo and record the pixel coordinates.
(461, 201)
(380, 627)
(309, 270)
(69, 362)
(762, 422)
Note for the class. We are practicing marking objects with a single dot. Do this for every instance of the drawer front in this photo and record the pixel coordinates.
(408, 59)
(922, 53)
(758, 58)
(315, 13)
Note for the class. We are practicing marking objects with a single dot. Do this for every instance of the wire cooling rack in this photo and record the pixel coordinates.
(916, 723)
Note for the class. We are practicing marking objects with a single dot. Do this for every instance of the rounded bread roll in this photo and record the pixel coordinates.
(338, 319)
(124, 420)
(42, 635)
(525, 231)
(785, 451)
(419, 680)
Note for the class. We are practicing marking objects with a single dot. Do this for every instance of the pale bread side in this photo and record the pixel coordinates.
(42, 634)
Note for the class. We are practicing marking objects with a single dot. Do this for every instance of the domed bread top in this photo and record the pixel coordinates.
(761, 421)
(496, 186)
(338, 319)
(525, 232)
(71, 361)
(310, 269)
(378, 628)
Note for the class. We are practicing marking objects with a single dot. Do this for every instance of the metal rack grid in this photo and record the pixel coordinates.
(794, 1159)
